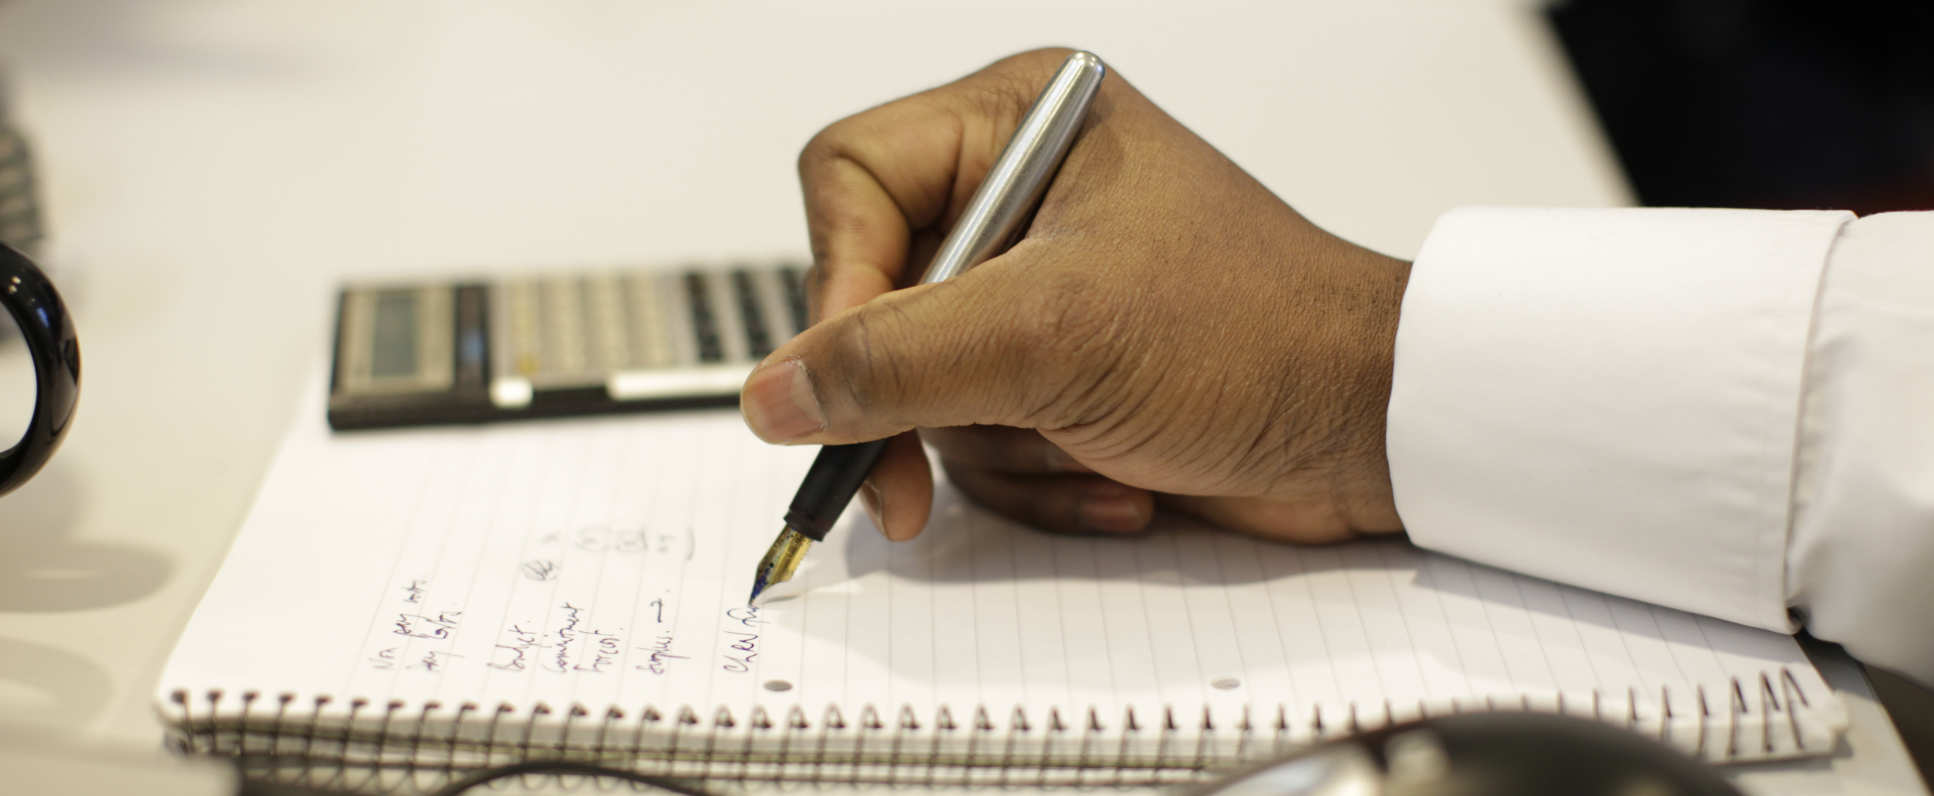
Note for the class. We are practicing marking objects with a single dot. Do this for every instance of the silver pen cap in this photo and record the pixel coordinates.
(1014, 185)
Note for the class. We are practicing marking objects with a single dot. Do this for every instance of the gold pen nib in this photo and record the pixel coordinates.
(779, 562)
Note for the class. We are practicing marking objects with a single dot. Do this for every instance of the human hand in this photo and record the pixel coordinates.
(1168, 331)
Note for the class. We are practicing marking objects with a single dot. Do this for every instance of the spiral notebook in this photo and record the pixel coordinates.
(434, 601)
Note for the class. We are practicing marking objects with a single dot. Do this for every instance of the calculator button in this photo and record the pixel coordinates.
(510, 309)
(752, 314)
(704, 316)
(644, 324)
(731, 321)
(793, 279)
(513, 329)
(510, 392)
(561, 340)
(472, 367)
(675, 326)
(704, 380)
(610, 343)
(770, 286)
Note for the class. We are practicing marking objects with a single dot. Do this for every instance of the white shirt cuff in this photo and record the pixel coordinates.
(1862, 547)
(1610, 398)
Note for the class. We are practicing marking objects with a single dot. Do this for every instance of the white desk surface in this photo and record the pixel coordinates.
(213, 169)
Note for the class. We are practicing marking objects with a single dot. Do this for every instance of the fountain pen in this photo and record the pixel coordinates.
(992, 221)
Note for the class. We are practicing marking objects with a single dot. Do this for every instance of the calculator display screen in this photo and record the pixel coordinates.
(393, 344)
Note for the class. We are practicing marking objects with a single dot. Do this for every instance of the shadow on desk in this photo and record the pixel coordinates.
(43, 569)
(42, 685)
(1912, 707)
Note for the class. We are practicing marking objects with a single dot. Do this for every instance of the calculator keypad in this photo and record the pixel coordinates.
(639, 334)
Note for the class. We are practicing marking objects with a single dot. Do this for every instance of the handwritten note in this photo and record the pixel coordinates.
(606, 562)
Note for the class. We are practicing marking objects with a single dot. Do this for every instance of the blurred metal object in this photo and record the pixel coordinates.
(21, 224)
(1483, 754)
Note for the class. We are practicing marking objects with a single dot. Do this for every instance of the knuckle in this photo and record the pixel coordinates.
(831, 143)
(811, 153)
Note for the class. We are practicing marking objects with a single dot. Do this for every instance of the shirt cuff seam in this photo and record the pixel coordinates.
(1807, 364)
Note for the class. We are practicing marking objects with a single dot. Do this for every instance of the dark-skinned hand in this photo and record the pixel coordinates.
(1167, 333)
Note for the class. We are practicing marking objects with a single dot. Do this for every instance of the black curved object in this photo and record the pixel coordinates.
(1505, 753)
(49, 334)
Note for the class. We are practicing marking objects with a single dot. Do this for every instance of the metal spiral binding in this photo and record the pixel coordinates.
(393, 745)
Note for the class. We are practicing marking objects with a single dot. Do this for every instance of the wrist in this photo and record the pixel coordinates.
(1364, 495)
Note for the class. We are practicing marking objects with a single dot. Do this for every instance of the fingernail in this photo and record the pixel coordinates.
(875, 506)
(779, 404)
(1111, 511)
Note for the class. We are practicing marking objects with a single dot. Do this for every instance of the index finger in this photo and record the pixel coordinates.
(873, 179)
(869, 181)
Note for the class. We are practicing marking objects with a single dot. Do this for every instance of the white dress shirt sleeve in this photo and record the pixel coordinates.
(1723, 411)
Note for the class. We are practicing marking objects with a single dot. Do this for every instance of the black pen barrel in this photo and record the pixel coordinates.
(835, 476)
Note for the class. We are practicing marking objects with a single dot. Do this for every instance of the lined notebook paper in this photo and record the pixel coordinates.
(461, 597)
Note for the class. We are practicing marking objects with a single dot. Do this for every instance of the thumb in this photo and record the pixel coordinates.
(963, 352)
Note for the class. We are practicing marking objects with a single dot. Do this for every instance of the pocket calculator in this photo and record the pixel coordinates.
(549, 344)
